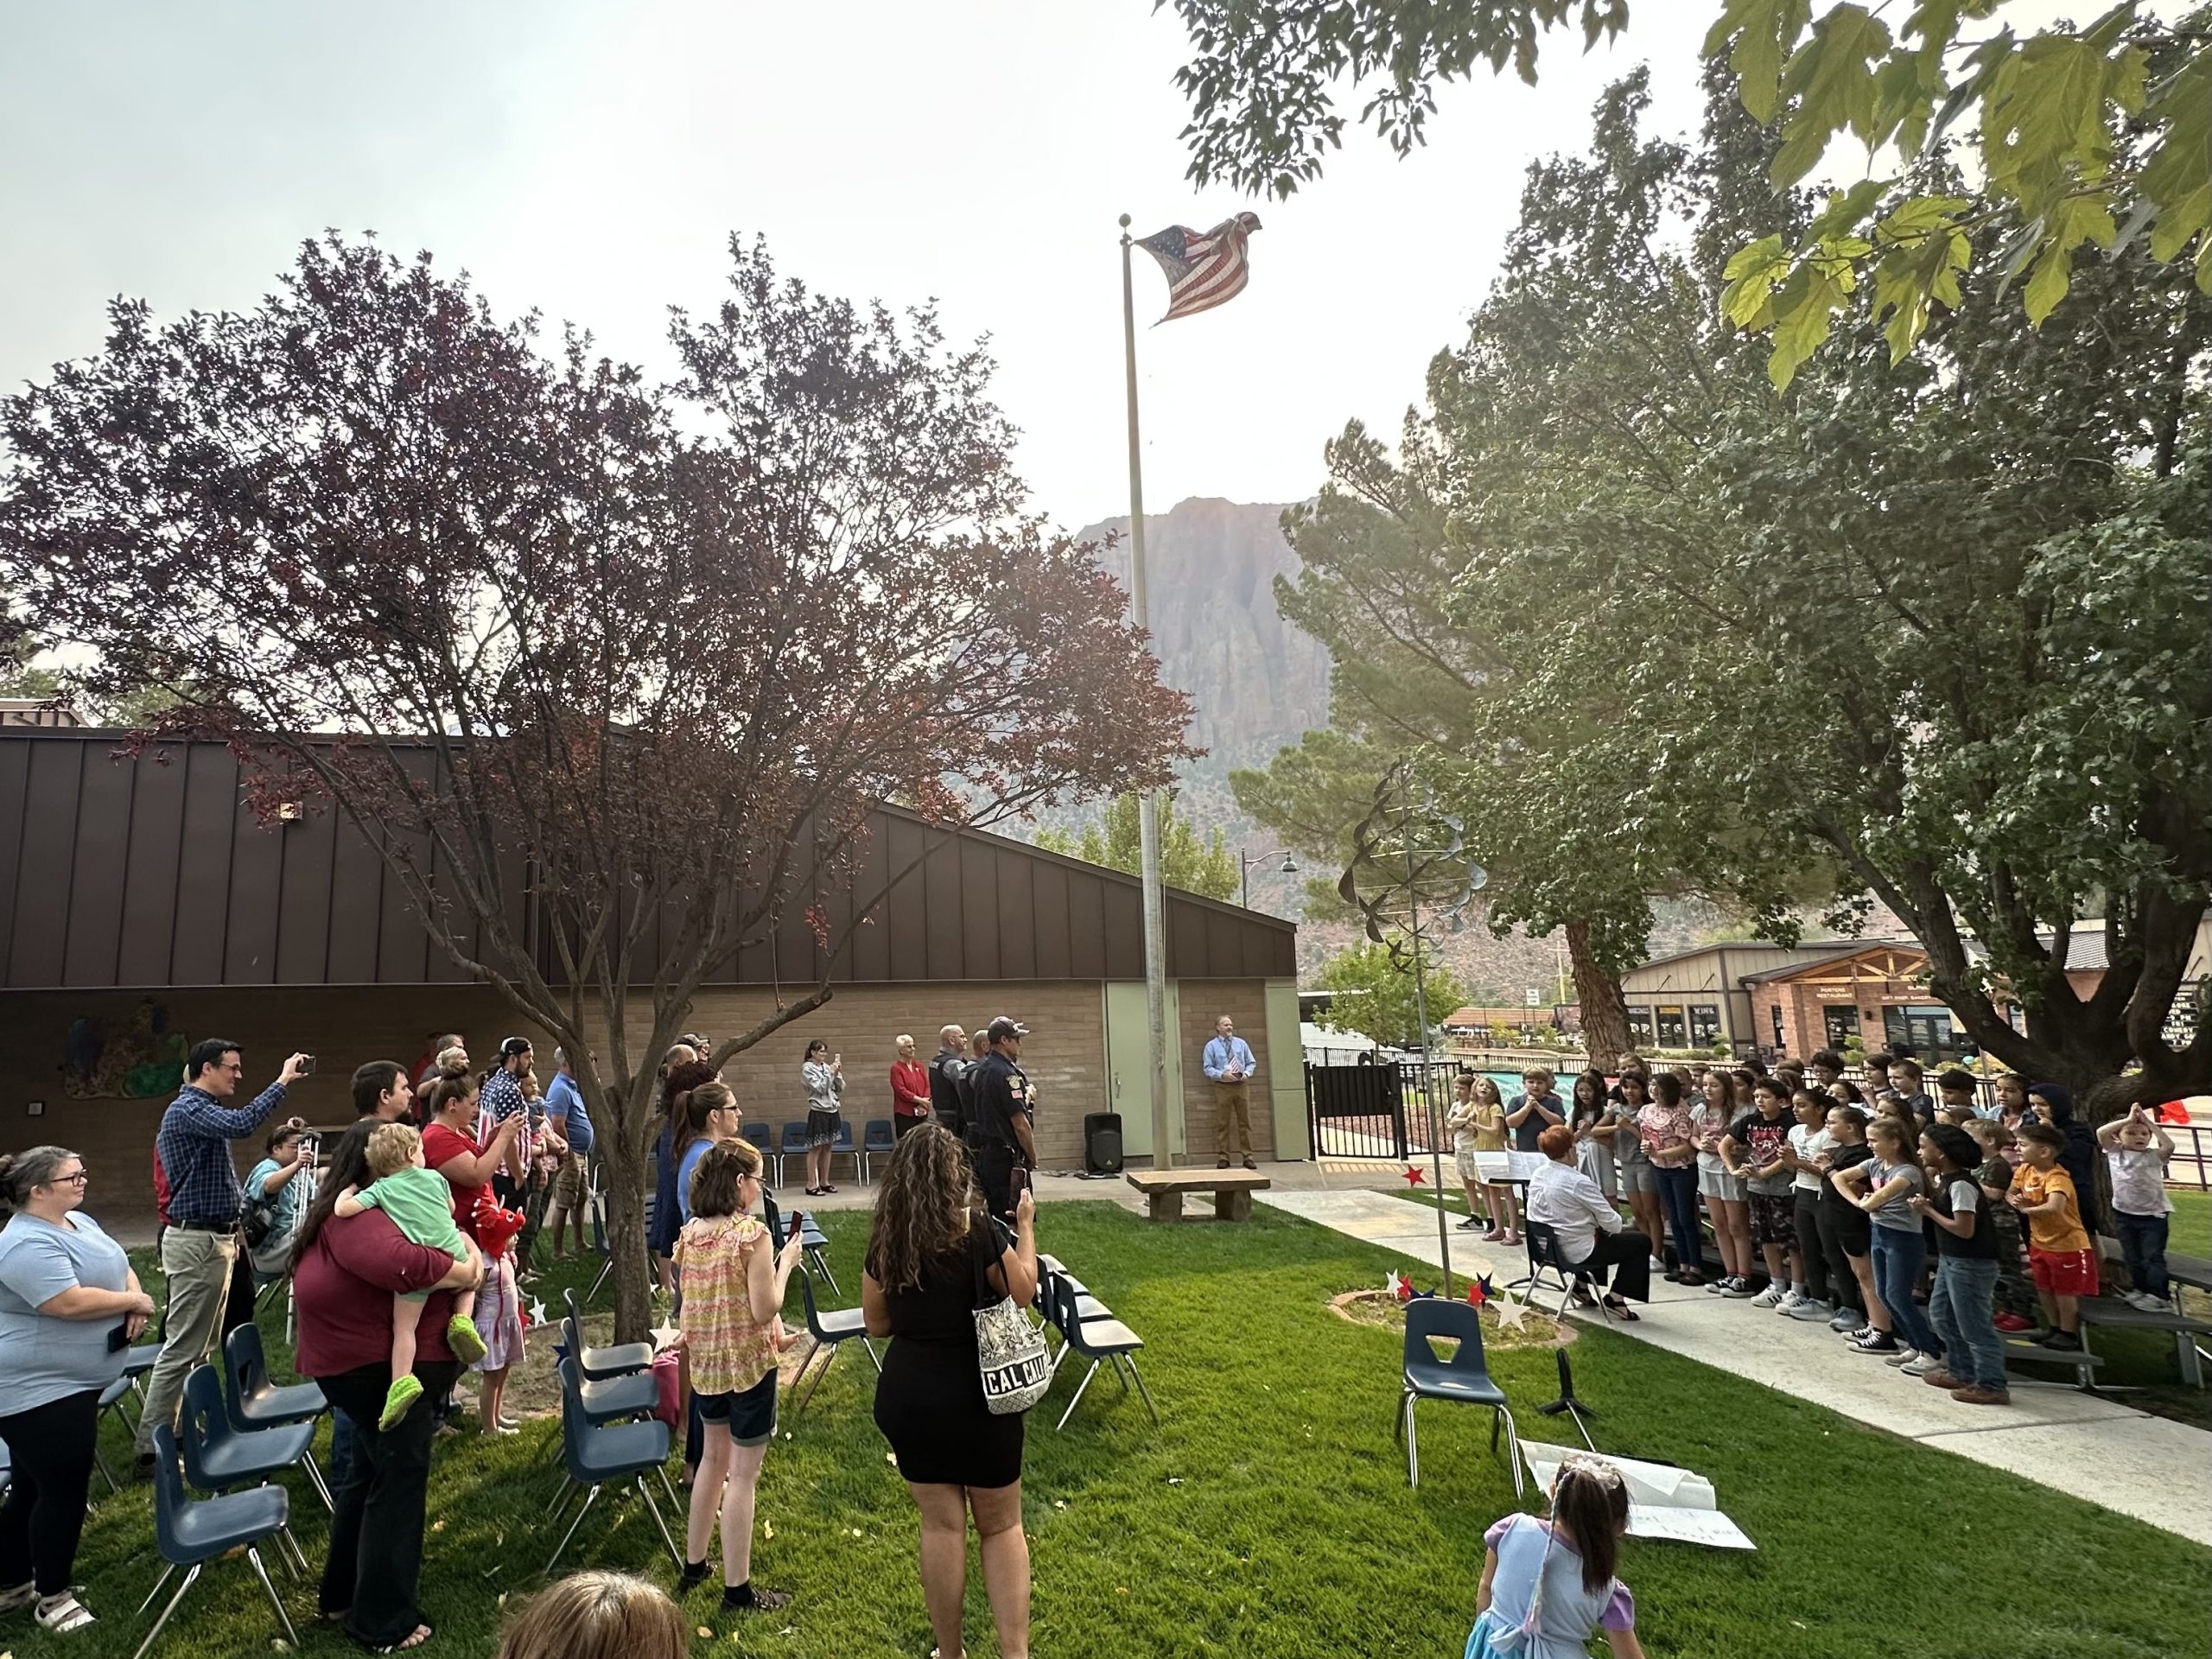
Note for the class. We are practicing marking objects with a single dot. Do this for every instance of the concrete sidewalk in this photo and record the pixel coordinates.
(2088, 1447)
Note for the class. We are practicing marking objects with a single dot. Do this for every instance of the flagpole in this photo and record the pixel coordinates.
(1155, 911)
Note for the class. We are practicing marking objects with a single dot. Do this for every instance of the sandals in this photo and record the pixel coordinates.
(61, 1614)
(414, 1638)
(1621, 1311)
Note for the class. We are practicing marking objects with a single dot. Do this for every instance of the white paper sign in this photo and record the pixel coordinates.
(1663, 1501)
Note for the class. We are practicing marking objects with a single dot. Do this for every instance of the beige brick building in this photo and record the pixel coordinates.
(142, 908)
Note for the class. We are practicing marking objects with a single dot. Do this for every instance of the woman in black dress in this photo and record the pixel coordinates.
(933, 1255)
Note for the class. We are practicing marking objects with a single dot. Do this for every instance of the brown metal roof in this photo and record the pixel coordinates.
(151, 872)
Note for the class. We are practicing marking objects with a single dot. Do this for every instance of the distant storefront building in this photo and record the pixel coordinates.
(1698, 999)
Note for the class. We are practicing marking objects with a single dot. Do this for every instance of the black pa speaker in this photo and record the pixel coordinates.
(1102, 1143)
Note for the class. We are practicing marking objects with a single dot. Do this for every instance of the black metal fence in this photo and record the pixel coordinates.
(1384, 1109)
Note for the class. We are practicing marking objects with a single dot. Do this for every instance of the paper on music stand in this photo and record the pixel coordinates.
(1663, 1501)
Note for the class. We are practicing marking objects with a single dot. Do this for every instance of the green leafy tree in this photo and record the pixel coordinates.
(1423, 665)
(1206, 867)
(1930, 623)
(20, 676)
(2097, 136)
(1376, 993)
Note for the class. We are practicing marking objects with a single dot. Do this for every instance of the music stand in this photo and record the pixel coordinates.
(1568, 1403)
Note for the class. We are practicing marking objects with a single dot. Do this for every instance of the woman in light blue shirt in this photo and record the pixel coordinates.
(69, 1306)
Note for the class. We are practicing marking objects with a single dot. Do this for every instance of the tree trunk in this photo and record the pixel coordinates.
(625, 1192)
(1605, 1011)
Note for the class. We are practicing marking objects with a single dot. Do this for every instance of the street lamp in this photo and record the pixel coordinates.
(1245, 862)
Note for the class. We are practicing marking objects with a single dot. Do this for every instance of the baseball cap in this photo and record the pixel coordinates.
(1002, 1028)
(514, 1046)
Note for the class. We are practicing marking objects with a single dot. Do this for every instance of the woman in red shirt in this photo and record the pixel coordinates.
(910, 1091)
(348, 1270)
(468, 1166)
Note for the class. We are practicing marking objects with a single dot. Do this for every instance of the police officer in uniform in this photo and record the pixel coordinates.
(1000, 1137)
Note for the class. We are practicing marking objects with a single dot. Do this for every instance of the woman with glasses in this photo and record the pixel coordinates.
(69, 1307)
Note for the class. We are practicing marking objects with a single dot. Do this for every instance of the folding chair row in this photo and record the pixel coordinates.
(831, 1330)
(1088, 1329)
(876, 1141)
(594, 1450)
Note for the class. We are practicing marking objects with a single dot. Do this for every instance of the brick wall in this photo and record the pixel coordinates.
(345, 1027)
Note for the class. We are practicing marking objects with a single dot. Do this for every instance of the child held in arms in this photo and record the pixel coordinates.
(420, 1204)
(1547, 1586)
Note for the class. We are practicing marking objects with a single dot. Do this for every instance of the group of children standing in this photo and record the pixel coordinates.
(1838, 1202)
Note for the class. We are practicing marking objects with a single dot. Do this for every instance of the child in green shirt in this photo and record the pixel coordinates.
(420, 1204)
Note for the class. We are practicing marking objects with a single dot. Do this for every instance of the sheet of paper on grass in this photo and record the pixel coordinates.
(1663, 1501)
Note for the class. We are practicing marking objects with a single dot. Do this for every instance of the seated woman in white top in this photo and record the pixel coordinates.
(1589, 1228)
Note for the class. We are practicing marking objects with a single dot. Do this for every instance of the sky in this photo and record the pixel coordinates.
(591, 162)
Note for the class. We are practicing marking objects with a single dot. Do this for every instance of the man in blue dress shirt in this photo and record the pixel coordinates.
(1227, 1061)
(201, 1243)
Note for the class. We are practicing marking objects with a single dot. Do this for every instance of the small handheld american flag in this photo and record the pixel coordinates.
(1204, 267)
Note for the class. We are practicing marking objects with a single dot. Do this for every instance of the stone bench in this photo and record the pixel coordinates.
(1232, 1191)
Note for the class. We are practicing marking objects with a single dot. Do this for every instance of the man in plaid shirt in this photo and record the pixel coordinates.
(200, 1244)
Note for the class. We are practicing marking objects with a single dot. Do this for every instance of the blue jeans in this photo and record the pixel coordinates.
(2143, 1243)
(1964, 1303)
(1678, 1193)
(1898, 1256)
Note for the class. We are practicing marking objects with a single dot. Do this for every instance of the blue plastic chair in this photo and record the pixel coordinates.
(192, 1533)
(254, 1401)
(878, 1140)
(217, 1457)
(770, 1157)
(619, 1359)
(626, 1394)
(794, 1145)
(829, 1330)
(844, 1145)
(1101, 1341)
(1463, 1378)
(592, 1456)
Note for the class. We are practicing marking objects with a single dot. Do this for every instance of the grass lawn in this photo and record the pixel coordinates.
(1269, 1515)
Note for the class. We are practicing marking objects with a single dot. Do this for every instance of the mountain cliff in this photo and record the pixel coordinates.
(1257, 682)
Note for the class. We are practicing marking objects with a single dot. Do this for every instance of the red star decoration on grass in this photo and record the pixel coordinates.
(1414, 1175)
(1478, 1291)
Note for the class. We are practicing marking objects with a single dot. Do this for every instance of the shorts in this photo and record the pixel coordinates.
(2063, 1273)
(1774, 1218)
(568, 1184)
(1713, 1180)
(750, 1413)
(1471, 1173)
(1635, 1176)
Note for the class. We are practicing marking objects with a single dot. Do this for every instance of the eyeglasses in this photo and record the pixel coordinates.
(78, 1179)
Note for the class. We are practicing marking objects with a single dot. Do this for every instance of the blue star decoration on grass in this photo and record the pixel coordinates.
(1480, 1291)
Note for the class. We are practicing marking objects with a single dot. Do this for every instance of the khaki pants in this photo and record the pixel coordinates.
(1230, 1113)
(198, 1267)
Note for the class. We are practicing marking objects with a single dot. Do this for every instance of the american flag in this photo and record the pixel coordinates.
(1204, 267)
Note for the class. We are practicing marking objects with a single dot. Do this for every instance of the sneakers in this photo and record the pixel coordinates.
(1974, 1395)
(1714, 1287)
(1809, 1310)
(1847, 1321)
(1853, 1333)
(2013, 1323)
(2064, 1342)
(1772, 1296)
(1871, 1341)
(1792, 1300)
(1907, 1356)
(1470, 1224)
(2144, 1300)
(1736, 1289)
(1938, 1378)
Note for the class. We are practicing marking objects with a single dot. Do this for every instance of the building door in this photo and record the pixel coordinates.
(1840, 1026)
(1128, 1076)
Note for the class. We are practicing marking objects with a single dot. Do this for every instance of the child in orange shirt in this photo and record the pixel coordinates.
(2060, 1257)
